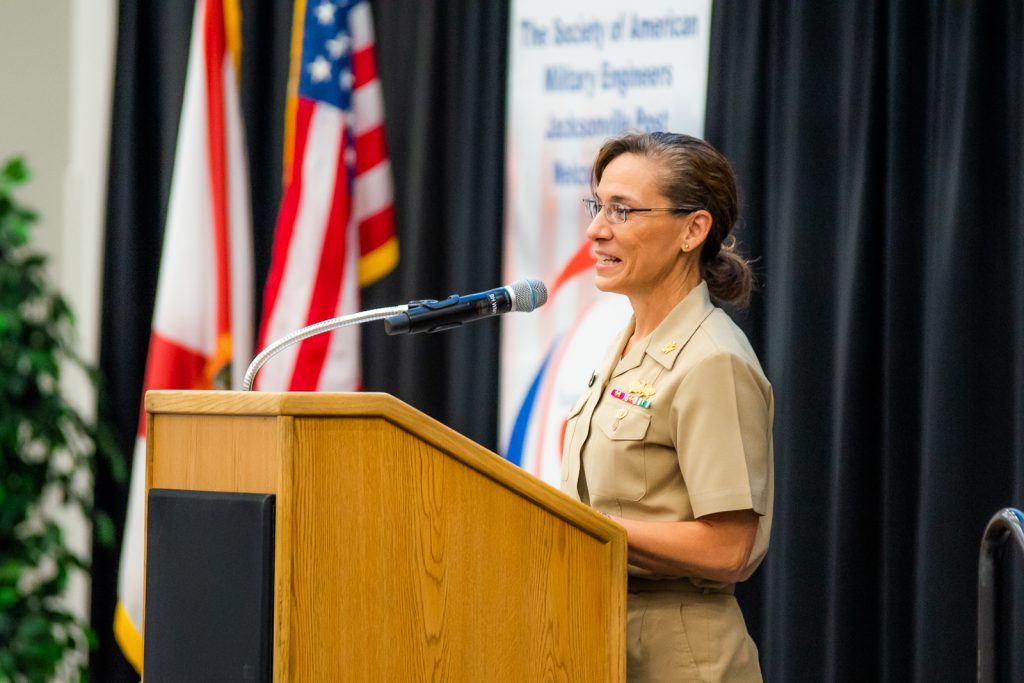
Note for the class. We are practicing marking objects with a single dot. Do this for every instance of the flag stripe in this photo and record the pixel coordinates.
(306, 244)
(375, 230)
(341, 365)
(214, 55)
(368, 104)
(360, 23)
(373, 191)
(371, 149)
(364, 66)
(326, 287)
(286, 216)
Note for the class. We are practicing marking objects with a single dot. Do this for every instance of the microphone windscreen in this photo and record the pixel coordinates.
(528, 295)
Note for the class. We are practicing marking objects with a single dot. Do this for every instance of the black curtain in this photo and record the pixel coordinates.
(442, 65)
(879, 148)
(152, 50)
(880, 160)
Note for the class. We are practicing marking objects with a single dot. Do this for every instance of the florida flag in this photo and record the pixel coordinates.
(335, 229)
(202, 324)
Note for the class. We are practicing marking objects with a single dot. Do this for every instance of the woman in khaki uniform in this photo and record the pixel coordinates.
(673, 436)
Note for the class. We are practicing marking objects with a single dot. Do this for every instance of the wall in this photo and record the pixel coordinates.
(56, 81)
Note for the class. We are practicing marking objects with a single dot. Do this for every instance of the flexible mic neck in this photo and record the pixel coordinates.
(417, 316)
(311, 331)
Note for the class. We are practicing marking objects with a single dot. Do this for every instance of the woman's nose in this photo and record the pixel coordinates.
(598, 228)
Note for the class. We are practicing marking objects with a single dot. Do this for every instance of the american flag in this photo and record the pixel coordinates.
(335, 229)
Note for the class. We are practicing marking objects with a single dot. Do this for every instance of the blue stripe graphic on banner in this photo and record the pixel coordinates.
(517, 442)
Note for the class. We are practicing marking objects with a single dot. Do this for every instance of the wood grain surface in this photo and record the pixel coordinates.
(404, 550)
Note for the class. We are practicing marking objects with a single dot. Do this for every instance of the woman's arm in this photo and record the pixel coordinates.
(714, 547)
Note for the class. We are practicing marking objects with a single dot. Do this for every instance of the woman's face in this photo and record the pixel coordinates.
(644, 255)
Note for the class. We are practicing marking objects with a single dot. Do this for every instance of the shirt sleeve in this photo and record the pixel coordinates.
(721, 412)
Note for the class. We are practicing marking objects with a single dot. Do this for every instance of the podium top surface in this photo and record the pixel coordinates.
(387, 407)
(276, 403)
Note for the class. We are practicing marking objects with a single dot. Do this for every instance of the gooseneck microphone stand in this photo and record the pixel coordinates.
(311, 331)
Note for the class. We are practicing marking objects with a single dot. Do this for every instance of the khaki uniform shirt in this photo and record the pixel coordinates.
(678, 429)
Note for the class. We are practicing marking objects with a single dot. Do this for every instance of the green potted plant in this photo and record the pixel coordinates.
(47, 450)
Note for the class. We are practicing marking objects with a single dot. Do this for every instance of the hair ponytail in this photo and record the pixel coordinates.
(730, 278)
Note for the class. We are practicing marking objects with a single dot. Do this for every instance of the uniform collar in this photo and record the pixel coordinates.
(635, 355)
(669, 337)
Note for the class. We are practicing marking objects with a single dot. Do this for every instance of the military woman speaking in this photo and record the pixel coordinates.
(673, 436)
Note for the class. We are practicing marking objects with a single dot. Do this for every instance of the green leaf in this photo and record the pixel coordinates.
(15, 170)
(33, 627)
(8, 664)
(10, 571)
(48, 651)
(17, 229)
(8, 595)
(103, 527)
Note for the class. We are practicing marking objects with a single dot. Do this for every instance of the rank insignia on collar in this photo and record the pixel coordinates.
(668, 348)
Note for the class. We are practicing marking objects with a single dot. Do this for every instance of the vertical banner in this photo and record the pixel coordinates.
(579, 73)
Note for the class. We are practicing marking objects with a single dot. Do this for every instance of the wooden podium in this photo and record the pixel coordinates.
(403, 550)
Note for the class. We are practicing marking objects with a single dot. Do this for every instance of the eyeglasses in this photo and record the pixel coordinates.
(617, 213)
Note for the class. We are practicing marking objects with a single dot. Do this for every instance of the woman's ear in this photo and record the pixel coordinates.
(696, 231)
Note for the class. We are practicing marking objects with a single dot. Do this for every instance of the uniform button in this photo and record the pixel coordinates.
(621, 413)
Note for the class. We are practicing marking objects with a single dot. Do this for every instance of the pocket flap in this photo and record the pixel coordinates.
(631, 427)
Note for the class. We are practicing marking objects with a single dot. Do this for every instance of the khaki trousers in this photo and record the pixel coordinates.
(677, 632)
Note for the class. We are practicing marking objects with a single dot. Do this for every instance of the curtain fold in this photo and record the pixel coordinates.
(149, 81)
(443, 68)
(878, 145)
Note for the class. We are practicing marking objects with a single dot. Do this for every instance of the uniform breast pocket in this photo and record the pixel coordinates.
(570, 428)
(616, 466)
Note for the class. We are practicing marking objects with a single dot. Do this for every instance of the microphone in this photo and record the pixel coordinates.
(435, 316)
